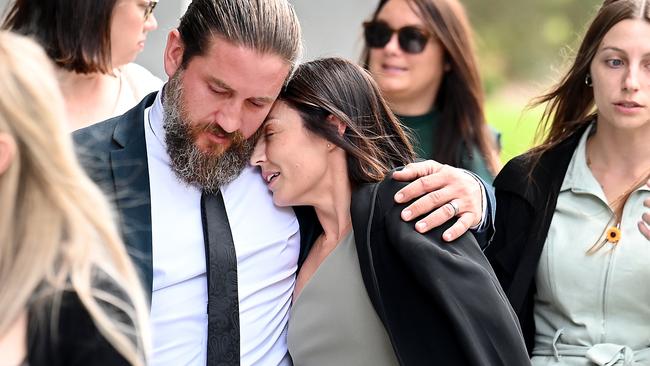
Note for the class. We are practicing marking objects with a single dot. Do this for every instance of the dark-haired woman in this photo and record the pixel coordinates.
(93, 43)
(568, 248)
(420, 53)
(373, 291)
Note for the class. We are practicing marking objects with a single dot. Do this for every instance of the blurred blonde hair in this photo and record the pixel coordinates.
(56, 228)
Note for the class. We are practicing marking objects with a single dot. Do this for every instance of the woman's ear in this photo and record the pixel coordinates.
(7, 151)
(340, 125)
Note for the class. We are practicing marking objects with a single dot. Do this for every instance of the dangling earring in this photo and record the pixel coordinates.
(588, 81)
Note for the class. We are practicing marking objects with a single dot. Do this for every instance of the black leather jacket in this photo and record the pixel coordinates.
(440, 302)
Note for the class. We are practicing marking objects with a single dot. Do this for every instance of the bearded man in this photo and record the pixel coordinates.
(218, 258)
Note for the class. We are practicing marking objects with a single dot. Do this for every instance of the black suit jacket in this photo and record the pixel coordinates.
(525, 206)
(440, 303)
(114, 155)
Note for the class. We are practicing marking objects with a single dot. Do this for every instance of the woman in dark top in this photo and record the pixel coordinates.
(373, 291)
(420, 53)
(68, 292)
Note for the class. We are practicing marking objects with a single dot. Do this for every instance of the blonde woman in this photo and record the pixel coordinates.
(68, 293)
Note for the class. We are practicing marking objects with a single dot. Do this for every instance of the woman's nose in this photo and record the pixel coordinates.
(258, 156)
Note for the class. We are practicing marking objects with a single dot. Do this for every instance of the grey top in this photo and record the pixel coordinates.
(332, 321)
(592, 309)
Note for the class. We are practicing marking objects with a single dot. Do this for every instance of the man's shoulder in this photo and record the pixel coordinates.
(93, 146)
(98, 136)
(104, 136)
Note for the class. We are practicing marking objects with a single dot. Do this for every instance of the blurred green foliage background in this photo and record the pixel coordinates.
(523, 48)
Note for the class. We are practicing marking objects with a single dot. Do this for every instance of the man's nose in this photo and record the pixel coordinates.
(229, 118)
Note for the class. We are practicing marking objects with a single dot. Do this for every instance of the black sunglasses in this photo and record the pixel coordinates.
(411, 39)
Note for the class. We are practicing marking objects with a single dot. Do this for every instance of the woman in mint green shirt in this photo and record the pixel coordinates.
(569, 247)
(420, 53)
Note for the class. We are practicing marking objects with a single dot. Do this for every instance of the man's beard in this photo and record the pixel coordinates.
(210, 169)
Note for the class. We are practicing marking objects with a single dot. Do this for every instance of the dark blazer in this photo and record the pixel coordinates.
(114, 155)
(440, 302)
(525, 207)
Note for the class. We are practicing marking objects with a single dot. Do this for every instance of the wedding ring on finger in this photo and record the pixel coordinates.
(454, 206)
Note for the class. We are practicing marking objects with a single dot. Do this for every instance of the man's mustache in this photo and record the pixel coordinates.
(214, 128)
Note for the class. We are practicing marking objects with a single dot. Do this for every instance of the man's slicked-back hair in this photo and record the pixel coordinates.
(267, 26)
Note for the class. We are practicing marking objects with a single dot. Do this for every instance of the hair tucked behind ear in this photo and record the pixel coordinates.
(374, 140)
(56, 229)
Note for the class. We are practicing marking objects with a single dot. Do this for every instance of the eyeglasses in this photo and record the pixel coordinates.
(148, 10)
(411, 39)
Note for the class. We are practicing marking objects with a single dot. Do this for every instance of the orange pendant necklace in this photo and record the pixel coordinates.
(612, 236)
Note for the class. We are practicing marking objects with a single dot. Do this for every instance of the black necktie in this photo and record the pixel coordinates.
(221, 271)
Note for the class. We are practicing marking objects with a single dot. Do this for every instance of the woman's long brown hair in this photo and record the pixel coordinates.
(374, 140)
(460, 98)
(570, 104)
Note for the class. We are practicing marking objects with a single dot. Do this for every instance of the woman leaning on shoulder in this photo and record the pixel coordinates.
(371, 290)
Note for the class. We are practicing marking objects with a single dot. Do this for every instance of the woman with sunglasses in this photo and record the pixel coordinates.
(371, 290)
(420, 53)
(93, 44)
(569, 249)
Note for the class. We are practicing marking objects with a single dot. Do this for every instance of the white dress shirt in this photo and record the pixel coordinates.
(267, 242)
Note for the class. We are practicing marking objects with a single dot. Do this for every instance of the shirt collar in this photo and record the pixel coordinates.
(579, 177)
(156, 119)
